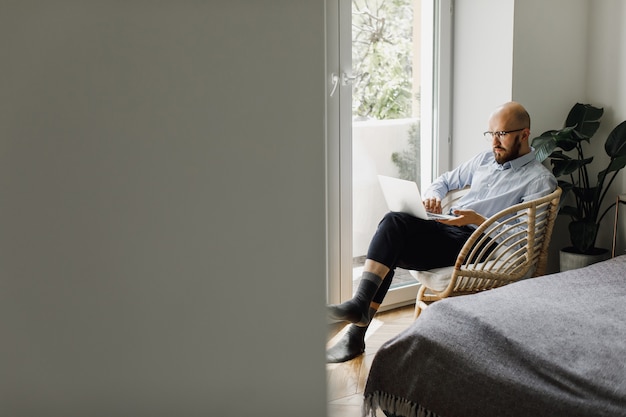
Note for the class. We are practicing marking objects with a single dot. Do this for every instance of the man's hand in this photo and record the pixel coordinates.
(433, 205)
(464, 217)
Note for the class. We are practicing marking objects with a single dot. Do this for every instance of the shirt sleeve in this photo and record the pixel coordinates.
(456, 179)
(542, 186)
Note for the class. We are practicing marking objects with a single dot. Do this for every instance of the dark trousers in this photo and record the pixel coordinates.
(404, 241)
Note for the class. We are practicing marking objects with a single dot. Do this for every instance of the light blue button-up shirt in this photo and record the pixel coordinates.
(495, 186)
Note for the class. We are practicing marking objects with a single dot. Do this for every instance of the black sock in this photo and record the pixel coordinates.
(367, 290)
(356, 310)
(351, 345)
(384, 287)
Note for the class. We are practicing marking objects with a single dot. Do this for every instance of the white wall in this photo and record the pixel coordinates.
(550, 73)
(516, 50)
(578, 59)
(606, 87)
(482, 61)
(162, 208)
(550, 59)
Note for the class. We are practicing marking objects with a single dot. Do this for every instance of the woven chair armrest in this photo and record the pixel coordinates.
(512, 231)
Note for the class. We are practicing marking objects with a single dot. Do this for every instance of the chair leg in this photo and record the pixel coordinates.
(419, 308)
(419, 304)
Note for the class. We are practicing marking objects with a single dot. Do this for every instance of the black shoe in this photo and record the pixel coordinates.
(349, 312)
(350, 346)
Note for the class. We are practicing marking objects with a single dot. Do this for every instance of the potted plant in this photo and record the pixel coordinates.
(566, 149)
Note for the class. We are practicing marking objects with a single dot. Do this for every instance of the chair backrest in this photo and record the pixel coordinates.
(509, 246)
(452, 197)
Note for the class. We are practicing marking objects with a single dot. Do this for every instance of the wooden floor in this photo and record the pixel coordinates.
(346, 381)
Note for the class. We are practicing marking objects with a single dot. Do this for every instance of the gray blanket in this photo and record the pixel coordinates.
(549, 346)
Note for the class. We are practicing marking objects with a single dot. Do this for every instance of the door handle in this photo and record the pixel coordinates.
(345, 80)
(334, 79)
(348, 79)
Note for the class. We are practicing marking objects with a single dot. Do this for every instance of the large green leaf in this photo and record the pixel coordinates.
(585, 118)
(560, 156)
(543, 145)
(615, 144)
(615, 165)
(550, 140)
(588, 129)
(581, 124)
(580, 137)
(566, 138)
(564, 165)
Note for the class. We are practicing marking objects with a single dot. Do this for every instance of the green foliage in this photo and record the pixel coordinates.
(408, 160)
(581, 124)
(382, 33)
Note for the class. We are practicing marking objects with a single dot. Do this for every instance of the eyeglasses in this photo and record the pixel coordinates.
(489, 135)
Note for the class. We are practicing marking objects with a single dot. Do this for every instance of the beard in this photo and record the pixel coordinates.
(503, 155)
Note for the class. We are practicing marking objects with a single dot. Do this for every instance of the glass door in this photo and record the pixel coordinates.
(384, 125)
(385, 116)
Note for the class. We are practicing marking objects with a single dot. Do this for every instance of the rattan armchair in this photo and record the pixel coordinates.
(509, 246)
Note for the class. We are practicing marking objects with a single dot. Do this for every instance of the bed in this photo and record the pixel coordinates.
(548, 346)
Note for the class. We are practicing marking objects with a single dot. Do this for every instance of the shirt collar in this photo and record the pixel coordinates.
(517, 162)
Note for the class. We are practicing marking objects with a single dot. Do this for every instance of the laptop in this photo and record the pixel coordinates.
(404, 196)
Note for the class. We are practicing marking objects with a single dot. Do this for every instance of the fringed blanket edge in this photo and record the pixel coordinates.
(398, 406)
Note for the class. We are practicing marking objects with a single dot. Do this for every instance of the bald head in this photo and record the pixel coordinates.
(514, 112)
(513, 122)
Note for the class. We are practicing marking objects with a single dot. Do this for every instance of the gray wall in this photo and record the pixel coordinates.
(162, 208)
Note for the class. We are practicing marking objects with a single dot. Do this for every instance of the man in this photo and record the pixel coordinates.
(506, 175)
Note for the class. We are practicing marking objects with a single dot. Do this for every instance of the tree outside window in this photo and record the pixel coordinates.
(382, 55)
